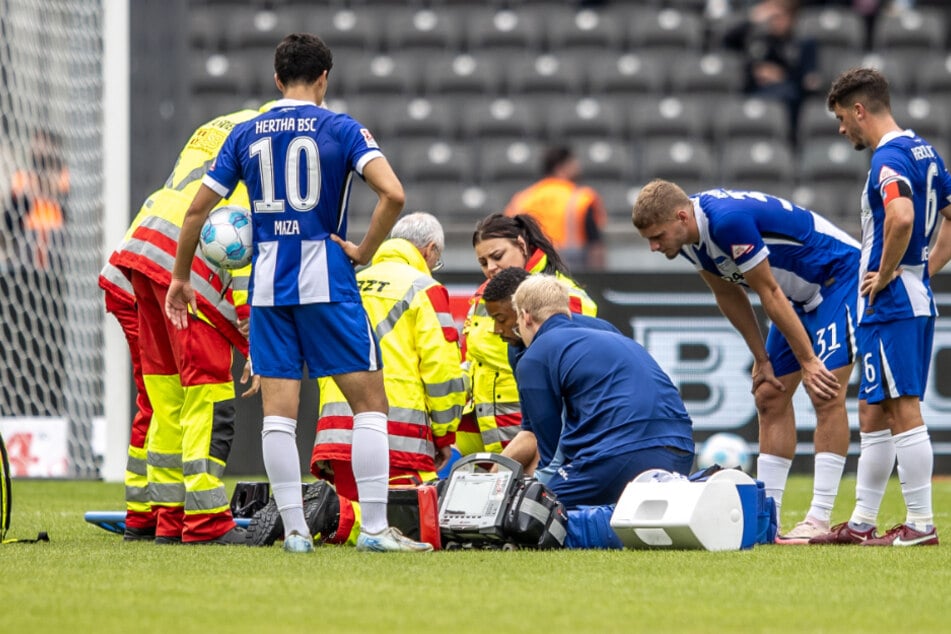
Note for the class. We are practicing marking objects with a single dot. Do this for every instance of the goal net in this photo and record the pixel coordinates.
(51, 183)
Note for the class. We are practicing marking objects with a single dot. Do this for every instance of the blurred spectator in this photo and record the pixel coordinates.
(779, 64)
(571, 215)
(34, 211)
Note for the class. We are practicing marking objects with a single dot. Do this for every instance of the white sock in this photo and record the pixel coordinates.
(915, 467)
(773, 471)
(370, 460)
(876, 461)
(282, 463)
(825, 486)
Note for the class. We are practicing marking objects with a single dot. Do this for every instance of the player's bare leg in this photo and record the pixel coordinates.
(777, 436)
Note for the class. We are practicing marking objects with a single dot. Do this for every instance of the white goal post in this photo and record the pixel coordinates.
(64, 187)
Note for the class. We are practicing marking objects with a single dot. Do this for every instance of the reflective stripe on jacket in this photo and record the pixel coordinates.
(494, 392)
(421, 362)
(151, 241)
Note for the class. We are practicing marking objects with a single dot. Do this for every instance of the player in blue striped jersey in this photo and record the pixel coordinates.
(297, 161)
(805, 271)
(908, 186)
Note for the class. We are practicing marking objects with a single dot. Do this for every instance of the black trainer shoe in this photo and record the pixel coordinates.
(321, 509)
(237, 536)
(266, 526)
(146, 534)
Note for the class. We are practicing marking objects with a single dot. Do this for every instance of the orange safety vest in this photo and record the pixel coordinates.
(559, 205)
(44, 217)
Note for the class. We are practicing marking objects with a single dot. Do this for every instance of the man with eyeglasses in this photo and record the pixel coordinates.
(419, 343)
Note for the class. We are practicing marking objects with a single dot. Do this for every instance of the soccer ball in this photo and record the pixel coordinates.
(727, 450)
(226, 237)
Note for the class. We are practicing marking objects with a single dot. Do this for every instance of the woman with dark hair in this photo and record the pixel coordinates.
(501, 242)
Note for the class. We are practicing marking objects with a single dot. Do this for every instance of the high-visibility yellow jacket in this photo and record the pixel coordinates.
(422, 373)
(496, 416)
(149, 245)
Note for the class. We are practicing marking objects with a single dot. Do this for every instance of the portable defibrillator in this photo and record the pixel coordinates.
(480, 489)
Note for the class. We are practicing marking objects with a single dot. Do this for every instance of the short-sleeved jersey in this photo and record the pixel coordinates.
(739, 229)
(903, 157)
(297, 161)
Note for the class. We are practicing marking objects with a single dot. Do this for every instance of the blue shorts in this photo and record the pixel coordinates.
(896, 356)
(830, 327)
(331, 338)
(603, 480)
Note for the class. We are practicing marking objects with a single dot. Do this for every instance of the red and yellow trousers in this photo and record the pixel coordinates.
(187, 375)
(138, 511)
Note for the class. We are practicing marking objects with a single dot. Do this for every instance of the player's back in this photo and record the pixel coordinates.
(803, 247)
(297, 161)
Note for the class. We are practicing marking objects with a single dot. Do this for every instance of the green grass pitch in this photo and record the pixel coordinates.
(89, 581)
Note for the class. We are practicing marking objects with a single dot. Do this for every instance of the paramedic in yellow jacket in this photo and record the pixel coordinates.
(500, 242)
(419, 344)
(186, 374)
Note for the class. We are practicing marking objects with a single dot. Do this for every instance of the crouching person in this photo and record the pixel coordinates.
(622, 413)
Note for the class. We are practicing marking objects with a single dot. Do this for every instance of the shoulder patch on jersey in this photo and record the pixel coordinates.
(739, 250)
(371, 142)
(886, 173)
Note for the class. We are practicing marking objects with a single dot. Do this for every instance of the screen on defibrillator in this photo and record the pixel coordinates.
(476, 494)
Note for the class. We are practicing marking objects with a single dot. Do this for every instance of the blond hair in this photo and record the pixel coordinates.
(541, 296)
(658, 203)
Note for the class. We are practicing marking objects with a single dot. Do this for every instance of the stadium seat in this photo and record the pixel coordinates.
(933, 77)
(745, 161)
(569, 30)
(505, 33)
(837, 202)
(690, 164)
(365, 109)
(927, 117)
(460, 206)
(606, 159)
(626, 74)
(816, 121)
(543, 77)
(347, 31)
(251, 26)
(921, 31)
(715, 76)
(205, 31)
(419, 117)
(835, 29)
(832, 160)
(504, 118)
(221, 73)
(586, 117)
(381, 75)
(892, 66)
(668, 31)
(462, 75)
(514, 161)
(423, 32)
(743, 117)
(435, 161)
(667, 117)
(618, 197)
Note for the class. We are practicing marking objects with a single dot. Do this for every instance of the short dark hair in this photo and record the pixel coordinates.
(301, 58)
(860, 85)
(555, 157)
(504, 284)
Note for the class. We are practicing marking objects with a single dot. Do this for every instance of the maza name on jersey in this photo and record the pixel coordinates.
(286, 228)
